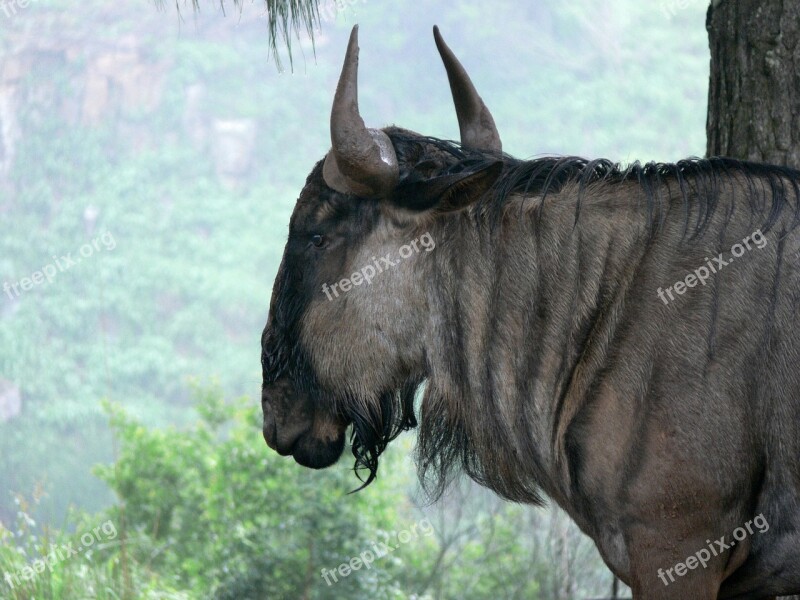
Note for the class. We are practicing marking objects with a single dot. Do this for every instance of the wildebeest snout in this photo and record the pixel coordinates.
(288, 415)
(294, 425)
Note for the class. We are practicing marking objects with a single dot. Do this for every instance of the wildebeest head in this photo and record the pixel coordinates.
(344, 339)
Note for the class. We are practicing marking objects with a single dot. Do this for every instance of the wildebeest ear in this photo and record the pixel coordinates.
(447, 193)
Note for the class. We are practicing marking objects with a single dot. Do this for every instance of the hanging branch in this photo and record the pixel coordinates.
(286, 19)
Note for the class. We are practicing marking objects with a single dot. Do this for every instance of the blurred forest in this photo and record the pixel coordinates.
(149, 162)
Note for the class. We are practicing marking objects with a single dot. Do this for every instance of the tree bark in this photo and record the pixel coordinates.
(754, 94)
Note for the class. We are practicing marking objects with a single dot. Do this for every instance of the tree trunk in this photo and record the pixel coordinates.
(754, 94)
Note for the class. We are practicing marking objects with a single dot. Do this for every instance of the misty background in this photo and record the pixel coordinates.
(150, 159)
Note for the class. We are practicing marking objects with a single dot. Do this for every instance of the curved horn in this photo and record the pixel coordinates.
(474, 119)
(362, 161)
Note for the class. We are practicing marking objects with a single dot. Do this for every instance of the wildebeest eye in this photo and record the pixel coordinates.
(318, 240)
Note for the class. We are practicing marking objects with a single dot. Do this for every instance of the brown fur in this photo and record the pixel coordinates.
(550, 357)
(550, 362)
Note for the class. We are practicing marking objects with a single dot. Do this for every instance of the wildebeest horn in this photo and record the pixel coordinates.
(362, 161)
(474, 119)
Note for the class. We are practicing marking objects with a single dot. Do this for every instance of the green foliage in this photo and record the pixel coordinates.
(53, 564)
(210, 506)
(205, 511)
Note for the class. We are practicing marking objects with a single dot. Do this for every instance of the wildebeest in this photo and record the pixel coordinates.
(622, 340)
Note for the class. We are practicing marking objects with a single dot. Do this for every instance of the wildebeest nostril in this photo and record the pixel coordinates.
(288, 415)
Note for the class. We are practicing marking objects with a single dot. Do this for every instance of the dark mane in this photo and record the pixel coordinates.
(700, 180)
(445, 447)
